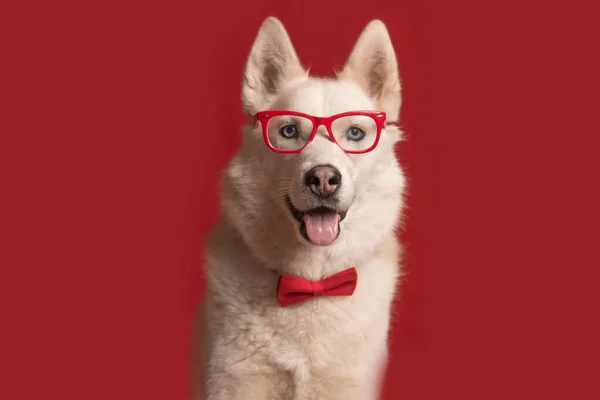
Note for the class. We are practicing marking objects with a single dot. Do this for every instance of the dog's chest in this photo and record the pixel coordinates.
(319, 336)
(323, 334)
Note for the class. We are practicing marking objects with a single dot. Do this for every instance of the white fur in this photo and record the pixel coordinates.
(328, 347)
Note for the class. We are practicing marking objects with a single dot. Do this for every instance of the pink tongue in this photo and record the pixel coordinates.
(322, 228)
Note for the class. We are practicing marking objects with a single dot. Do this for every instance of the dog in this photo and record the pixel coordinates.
(303, 267)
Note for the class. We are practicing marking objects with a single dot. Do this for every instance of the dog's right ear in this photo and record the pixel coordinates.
(272, 62)
(373, 65)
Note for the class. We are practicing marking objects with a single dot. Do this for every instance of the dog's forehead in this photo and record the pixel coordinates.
(324, 97)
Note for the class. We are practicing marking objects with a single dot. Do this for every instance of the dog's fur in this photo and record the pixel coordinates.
(325, 348)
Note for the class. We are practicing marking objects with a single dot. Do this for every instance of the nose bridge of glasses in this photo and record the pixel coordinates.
(323, 127)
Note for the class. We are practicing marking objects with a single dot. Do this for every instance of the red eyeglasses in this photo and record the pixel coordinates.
(355, 132)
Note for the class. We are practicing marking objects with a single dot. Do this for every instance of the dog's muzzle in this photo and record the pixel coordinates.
(320, 225)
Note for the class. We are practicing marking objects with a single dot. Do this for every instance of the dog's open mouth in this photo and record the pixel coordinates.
(319, 225)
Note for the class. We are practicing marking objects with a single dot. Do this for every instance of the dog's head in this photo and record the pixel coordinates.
(317, 173)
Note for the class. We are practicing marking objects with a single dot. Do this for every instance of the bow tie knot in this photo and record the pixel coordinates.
(317, 288)
(292, 289)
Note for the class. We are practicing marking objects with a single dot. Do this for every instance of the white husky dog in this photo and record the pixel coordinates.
(302, 270)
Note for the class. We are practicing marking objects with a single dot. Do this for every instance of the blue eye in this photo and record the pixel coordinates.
(356, 134)
(288, 131)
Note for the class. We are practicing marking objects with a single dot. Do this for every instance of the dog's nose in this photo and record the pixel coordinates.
(323, 180)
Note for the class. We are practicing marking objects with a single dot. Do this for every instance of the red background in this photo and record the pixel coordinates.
(113, 135)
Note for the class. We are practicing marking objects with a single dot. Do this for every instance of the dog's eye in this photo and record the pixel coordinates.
(355, 133)
(288, 131)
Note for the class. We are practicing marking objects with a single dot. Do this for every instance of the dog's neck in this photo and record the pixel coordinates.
(313, 264)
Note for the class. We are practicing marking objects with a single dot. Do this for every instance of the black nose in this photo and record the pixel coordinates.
(323, 180)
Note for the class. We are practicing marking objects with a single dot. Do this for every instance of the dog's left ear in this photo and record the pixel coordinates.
(373, 65)
(272, 63)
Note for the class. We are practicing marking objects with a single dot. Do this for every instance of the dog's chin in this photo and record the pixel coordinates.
(320, 225)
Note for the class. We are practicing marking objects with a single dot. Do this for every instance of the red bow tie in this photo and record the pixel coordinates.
(293, 289)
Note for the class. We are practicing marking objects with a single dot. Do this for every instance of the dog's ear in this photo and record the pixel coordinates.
(373, 65)
(272, 62)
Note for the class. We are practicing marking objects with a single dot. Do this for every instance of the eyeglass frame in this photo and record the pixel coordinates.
(378, 116)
